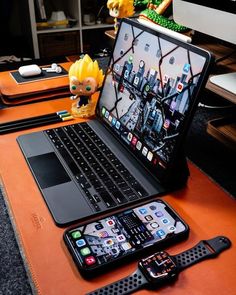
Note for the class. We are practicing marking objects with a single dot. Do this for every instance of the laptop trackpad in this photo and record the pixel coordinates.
(48, 170)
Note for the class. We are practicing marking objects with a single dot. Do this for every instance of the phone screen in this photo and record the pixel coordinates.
(103, 241)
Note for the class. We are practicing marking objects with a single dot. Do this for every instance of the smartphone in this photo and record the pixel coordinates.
(110, 240)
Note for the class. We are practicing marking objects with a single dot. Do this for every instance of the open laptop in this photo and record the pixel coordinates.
(143, 114)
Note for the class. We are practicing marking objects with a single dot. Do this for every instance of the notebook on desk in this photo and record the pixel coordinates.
(133, 149)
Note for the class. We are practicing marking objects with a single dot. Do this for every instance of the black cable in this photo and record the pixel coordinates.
(215, 106)
(225, 56)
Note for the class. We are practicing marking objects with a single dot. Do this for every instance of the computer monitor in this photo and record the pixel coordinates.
(217, 19)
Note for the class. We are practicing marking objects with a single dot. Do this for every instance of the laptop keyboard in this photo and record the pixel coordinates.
(103, 178)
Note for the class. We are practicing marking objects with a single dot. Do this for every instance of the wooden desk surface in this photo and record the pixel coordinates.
(207, 209)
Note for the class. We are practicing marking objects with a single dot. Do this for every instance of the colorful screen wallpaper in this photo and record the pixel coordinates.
(148, 92)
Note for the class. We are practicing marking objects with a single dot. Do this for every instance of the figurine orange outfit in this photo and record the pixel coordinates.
(120, 9)
(85, 79)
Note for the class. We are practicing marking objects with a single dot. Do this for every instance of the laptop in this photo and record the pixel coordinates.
(132, 150)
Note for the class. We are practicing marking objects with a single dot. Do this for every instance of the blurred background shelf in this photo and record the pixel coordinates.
(82, 15)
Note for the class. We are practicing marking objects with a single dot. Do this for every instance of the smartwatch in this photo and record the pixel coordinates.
(162, 268)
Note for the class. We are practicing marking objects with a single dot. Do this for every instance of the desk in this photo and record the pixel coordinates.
(207, 209)
(223, 129)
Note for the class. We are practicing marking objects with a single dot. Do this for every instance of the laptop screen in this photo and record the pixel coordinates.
(149, 92)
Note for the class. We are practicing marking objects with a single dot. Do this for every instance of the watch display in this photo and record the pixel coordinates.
(158, 267)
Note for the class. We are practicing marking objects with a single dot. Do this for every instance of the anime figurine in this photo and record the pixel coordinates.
(157, 12)
(85, 79)
(120, 9)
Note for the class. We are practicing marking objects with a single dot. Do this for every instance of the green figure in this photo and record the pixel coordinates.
(153, 12)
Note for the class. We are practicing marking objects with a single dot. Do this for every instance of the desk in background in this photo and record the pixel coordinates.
(224, 128)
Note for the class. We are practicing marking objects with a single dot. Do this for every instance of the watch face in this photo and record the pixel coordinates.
(158, 267)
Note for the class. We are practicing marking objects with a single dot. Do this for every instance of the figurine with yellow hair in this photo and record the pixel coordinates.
(85, 79)
(120, 9)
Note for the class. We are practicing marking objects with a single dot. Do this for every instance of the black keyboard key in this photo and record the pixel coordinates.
(108, 182)
(69, 161)
(91, 176)
(132, 197)
(95, 182)
(119, 197)
(100, 188)
(93, 202)
(51, 134)
(115, 176)
(86, 169)
(140, 190)
(112, 187)
(97, 198)
(127, 191)
(103, 175)
(61, 134)
(122, 184)
(107, 199)
(83, 181)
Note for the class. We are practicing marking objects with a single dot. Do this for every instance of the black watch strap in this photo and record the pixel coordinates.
(203, 250)
(124, 286)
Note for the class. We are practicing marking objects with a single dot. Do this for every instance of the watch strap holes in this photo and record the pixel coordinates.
(121, 287)
(125, 286)
(192, 255)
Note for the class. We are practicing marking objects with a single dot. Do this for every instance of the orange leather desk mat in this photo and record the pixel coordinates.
(10, 89)
(207, 209)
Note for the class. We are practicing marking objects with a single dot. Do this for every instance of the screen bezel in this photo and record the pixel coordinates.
(163, 175)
